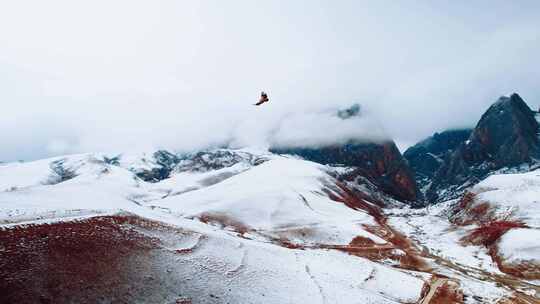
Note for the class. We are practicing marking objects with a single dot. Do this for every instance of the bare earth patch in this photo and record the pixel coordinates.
(99, 259)
(488, 233)
(224, 221)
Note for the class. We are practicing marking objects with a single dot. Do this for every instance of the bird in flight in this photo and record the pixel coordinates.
(263, 99)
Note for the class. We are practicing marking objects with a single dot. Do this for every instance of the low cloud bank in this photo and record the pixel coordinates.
(191, 130)
(326, 128)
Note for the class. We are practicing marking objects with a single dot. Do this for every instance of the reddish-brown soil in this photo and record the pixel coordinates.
(522, 270)
(466, 200)
(361, 241)
(447, 293)
(100, 259)
(224, 221)
(479, 211)
(519, 300)
(439, 290)
(408, 258)
(469, 211)
(372, 252)
(283, 242)
(490, 232)
(399, 248)
(354, 199)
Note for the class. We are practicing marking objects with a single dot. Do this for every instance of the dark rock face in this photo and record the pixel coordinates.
(506, 136)
(165, 162)
(426, 157)
(352, 111)
(215, 160)
(60, 173)
(379, 164)
(382, 164)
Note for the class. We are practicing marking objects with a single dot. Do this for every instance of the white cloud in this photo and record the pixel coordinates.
(128, 75)
(325, 128)
(58, 146)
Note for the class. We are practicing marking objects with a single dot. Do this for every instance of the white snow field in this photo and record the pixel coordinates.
(271, 197)
(513, 196)
(520, 245)
(262, 229)
(281, 197)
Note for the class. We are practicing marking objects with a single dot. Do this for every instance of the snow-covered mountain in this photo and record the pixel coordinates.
(332, 223)
(230, 229)
(427, 156)
(506, 139)
(246, 226)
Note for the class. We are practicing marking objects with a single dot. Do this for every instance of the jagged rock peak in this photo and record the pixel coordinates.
(507, 133)
(352, 111)
(426, 157)
(505, 137)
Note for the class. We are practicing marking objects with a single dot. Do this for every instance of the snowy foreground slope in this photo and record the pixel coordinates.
(491, 233)
(236, 227)
(506, 210)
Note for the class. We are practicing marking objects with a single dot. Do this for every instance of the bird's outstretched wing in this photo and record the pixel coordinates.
(263, 99)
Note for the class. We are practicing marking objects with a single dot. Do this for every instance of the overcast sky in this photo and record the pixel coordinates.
(119, 75)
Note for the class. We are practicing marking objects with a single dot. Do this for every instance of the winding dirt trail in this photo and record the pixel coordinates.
(440, 289)
(439, 282)
(512, 284)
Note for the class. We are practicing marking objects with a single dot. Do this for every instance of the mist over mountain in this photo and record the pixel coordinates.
(218, 152)
(183, 76)
(243, 225)
(506, 138)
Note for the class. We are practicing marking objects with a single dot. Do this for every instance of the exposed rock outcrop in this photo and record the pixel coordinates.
(505, 137)
(426, 157)
(162, 163)
(381, 163)
(215, 160)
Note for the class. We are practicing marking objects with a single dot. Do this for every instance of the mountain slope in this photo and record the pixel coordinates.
(374, 159)
(426, 157)
(380, 163)
(293, 206)
(505, 207)
(505, 137)
(191, 238)
(225, 226)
